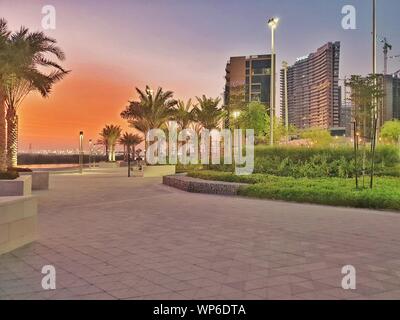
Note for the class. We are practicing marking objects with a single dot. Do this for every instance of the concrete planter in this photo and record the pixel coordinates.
(158, 171)
(40, 179)
(18, 187)
(108, 165)
(195, 185)
(18, 220)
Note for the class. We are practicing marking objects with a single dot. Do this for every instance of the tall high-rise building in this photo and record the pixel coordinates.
(391, 100)
(313, 89)
(248, 78)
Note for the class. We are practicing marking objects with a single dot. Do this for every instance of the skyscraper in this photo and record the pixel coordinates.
(248, 77)
(313, 89)
(391, 102)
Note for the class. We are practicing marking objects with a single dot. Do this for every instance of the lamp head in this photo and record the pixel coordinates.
(273, 23)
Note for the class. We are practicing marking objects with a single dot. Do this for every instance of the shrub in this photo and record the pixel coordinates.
(329, 191)
(319, 162)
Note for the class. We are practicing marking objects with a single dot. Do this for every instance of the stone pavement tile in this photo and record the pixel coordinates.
(388, 295)
(84, 290)
(151, 289)
(164, 296)
(189, 275)
(124, 293)
(200, 283)
(111, 285)
(273, 293)
(177, 285)
(97, 296)
(340, 293)
(199, 293)
(281, 280)
(315, 295)
(301, 287)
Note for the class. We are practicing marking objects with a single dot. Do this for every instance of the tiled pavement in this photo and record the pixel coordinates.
(111, 237)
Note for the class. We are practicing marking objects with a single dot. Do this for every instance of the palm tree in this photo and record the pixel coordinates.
(153, 111)
(110, 135)
(208, 114)
(184, 114)
(27, 61)
(130, 140)
(4, 70)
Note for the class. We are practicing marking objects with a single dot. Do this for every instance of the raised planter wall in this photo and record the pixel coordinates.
(195, 185)
(21, 186)
(158, 171)
(18, 221)
(40, 179)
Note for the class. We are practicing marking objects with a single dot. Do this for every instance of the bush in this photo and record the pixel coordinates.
(9, 175)
(328, 191)
(319, 162)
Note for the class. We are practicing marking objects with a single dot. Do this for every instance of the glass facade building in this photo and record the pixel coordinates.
(313, 89)
(249, 76)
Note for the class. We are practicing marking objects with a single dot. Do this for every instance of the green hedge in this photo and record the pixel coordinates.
(301, 162)
(328, 191)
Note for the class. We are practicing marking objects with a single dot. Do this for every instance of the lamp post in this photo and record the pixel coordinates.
(90, 153)
(272, 24)
(81, 152)
(285, 84)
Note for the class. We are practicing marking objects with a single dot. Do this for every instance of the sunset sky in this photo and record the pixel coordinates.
(181, 45)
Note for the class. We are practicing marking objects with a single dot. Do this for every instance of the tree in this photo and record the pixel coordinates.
(4, 71)
(27, 62)
(152, 111)
(111, 135)
(391, 131)
(208, 114)
(130, 140)
(366, 93)
(183, 114)
(254, 117)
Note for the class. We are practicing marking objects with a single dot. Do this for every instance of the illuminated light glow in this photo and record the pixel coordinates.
(302, 58)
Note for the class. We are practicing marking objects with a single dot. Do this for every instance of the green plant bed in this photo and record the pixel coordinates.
(327, 191)
(317, 162)
(9, 175)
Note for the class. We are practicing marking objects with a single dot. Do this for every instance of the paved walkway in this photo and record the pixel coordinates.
(111, 237)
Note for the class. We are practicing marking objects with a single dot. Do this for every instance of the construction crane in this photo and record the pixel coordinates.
(386, 47)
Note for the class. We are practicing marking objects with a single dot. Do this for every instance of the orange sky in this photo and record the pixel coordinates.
(86, 100)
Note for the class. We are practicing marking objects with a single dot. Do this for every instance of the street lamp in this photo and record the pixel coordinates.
(272, 24)
(236, 114)
(90, 153)
(81, 152)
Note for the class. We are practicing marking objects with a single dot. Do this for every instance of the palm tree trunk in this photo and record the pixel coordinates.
(12, 138)
(129, 160)
(3, 133)
(113, 153)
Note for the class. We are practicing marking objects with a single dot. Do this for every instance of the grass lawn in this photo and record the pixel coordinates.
(328, 191)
